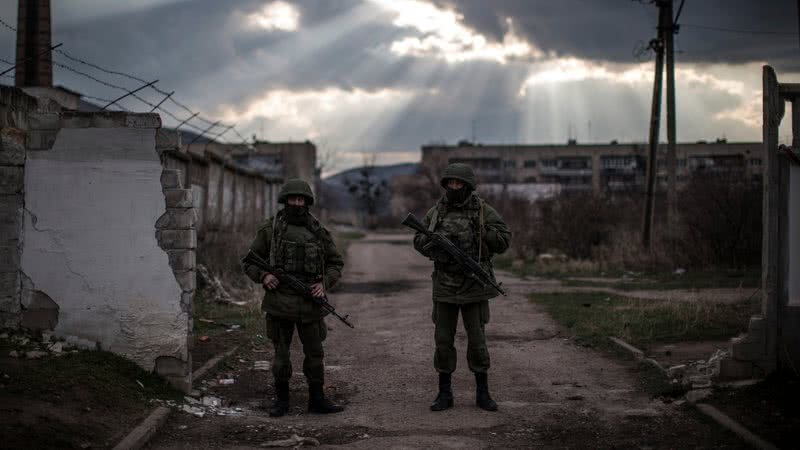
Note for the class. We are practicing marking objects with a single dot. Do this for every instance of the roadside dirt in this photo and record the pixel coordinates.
(552, 393)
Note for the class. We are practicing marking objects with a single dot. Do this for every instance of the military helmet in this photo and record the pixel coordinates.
(296, 186)
(461, 172)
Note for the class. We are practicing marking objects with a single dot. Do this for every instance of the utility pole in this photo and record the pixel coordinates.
(668, 33)
(657, 45)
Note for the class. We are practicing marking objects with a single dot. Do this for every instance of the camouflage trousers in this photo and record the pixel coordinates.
(311, 334)
(475, 317)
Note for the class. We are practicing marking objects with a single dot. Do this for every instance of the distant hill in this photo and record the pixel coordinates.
(334, 191)
(379, 172)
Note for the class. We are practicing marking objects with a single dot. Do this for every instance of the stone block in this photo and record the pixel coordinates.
(9, 320)
(733, 369)
(44, 121)
(9, 257)
(177, 219)
(187, 280)
(746, 350)
(178, 198)
(187, 298)
(757, 328)
(171, 179)
(76, 120)
(10, 219)
(10, 286)
(12, 180)
(143, 120)
(41, 139)
(176, 239)
(10, 304)
(108, 119)
(170, 366)
(181, 259)
(12, 147)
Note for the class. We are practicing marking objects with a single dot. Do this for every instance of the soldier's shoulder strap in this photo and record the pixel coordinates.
(315, 227)
(435, 216)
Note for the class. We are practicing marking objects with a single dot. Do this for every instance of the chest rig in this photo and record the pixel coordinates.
(297, 249)
(463, 225)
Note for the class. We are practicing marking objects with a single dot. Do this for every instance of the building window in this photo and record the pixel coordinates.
(755, 162)
(575, 163)
(550, 163)
(530, 180)
(510, 164)
(618, 162)
(529, 163)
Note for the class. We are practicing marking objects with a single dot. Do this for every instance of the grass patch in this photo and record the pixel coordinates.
(249, 318)
(108, 378)
(594, 316)
(666, 280)
(351, 235)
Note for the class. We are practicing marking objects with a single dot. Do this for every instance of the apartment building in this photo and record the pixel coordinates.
(599, 168)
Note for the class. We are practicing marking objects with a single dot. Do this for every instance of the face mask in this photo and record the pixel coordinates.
(457, 196)
(296, 215)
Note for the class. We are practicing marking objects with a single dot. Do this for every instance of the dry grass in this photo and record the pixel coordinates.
(592, 317)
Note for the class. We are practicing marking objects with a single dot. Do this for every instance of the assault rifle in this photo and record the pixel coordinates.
(473, 269)
(295, 284)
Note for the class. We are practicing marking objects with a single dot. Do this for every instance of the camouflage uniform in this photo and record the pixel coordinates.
(308, 252)
(477, 229)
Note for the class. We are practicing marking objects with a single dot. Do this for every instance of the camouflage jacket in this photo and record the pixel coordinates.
(476, 228)
(307, 252)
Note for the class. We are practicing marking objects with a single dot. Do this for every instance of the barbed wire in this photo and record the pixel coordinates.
(213, 124)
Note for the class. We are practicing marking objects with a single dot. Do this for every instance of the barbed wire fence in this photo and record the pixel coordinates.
(195, 123)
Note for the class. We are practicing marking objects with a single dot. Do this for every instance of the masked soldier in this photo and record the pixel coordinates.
(296, 242)
(478, 230)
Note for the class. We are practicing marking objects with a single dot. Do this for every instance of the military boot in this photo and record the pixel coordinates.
(482, 397)
(281, 404)
(317, 403)
(445, 398)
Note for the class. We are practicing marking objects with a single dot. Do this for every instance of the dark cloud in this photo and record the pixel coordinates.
(611, 29)
(202, 50)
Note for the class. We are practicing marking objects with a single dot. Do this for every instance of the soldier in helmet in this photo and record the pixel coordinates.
(295, 241)
(477, 229)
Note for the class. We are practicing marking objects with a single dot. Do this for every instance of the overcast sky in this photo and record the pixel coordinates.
(389, 76)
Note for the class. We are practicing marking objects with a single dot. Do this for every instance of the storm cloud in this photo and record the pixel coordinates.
(391, 75)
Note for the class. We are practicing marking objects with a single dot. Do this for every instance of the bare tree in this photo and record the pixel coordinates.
(368, 190)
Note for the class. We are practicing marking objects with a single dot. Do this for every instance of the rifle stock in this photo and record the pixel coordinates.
(472, 267)
(295, 284)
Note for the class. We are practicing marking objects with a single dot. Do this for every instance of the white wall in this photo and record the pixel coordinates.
(794, 235)
(92, 202)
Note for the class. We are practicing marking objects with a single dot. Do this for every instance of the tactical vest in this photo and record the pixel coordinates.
(299, 249)
(462, 225)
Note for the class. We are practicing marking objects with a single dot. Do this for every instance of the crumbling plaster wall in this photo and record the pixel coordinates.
(108, 241)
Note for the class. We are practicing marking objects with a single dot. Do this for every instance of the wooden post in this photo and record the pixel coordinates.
(655, 118)
(668, 32)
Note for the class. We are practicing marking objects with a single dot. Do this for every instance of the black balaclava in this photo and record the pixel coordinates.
(296, 215)
(457, 196)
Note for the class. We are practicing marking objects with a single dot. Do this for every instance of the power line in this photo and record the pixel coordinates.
(7, 25)
(732, 30)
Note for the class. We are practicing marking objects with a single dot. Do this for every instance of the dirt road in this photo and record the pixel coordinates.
(551, 392)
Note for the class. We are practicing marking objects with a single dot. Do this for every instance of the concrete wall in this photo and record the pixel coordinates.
(93, 267)
(227, 196)
(97, 239)
(794, 237)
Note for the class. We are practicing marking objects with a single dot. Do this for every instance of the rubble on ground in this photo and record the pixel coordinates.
(216, 290)
(697, 376)
(36, 347)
